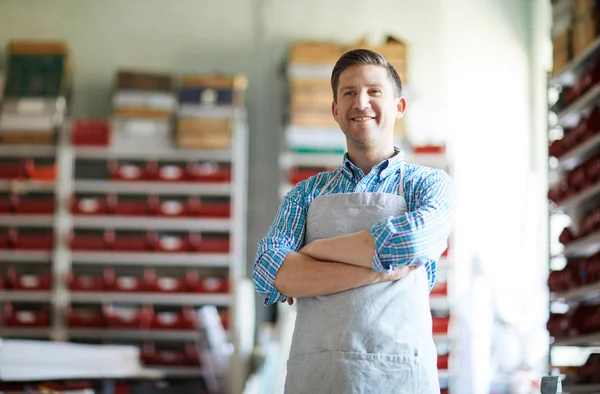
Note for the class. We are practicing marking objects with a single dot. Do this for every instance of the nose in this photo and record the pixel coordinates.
(361, 101)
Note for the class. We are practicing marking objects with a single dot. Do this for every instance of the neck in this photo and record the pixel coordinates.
(366, 159)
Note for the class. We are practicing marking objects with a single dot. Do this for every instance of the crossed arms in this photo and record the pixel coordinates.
(285, 267)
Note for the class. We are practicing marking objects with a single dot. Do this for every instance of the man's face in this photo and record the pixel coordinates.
(366, 107)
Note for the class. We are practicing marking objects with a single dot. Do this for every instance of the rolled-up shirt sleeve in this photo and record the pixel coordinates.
(420, 235)
(285, 235)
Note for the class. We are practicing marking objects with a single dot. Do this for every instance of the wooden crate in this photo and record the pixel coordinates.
(311, 52)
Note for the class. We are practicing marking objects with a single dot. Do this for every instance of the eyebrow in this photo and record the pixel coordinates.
(349, 87)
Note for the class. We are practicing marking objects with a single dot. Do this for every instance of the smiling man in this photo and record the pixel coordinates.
(358, 247)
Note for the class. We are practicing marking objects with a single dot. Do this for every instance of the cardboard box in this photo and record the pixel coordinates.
(141, 80)
(312, 118)
(216, 81)
(204, 127)
(142, 113)
(33, 137)
(562, 51)
(310, 52)
(201, 142)
(37, 47)
(585, 32)
(313, 94)
(394, 52)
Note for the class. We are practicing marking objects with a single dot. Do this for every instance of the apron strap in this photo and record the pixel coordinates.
(329, 182)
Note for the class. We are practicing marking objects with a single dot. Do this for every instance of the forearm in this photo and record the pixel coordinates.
(303, 276)
(355, 249)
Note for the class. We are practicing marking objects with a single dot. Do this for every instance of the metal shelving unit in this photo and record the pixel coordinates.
(61, 259)
(577, 205)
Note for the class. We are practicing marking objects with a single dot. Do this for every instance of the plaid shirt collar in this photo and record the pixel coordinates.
(384, 169)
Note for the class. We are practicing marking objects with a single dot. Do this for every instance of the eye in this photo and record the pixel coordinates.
(375, 91)
(348, 93)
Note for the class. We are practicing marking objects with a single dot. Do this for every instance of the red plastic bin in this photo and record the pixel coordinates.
(125, 242)
(22, 316)
(212, 285)
(30, 282)
(184, 319)
(297, 175)
(5, 240)
(92, 205)
(166, 243)
(440, 289)
(167, 284)
(210, 244)
(208, 173)
(39, 240)
(101, 241)
(129, 317)
(40, 172)
(170, 357)
(12, 170)
(128, 283)
(7, 203)
(170, 173)
(442, 361)
(79, 316)
(34, 205)
(131, 171)
(172, 207)
(135, 206)
(440, 324)
(92, 132)
(85, 282)
(214, 209)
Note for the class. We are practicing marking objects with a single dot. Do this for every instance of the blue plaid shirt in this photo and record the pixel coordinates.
(418, 237)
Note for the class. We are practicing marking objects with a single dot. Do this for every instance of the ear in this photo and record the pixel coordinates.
(334, 110)
(401, 107)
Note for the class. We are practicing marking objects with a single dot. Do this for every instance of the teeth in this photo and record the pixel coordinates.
(362, 118)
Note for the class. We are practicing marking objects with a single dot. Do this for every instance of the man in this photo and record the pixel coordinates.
(357, 248)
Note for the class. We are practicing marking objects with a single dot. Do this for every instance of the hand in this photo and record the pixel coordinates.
(399, 273)
(289, 300)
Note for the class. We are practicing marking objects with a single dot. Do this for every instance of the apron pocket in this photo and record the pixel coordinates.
(336, 372)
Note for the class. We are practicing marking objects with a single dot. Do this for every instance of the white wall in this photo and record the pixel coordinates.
(470, 76)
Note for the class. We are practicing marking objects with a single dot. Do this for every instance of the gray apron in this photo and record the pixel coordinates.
(373, 339)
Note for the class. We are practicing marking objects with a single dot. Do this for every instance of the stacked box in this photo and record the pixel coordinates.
(586, 24)
(144, 105)
(207, 107)
(394, 51)
(37, 86)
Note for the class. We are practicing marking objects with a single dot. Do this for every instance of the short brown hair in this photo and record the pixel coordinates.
(363, 57)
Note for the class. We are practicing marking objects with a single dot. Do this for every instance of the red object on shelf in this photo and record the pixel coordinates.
(85, 282)
(212, 285)
(440, 289)
(441, 324)
(224, 315)
(7, 203)
(170, 207)
(20, 316)
(27, 282)
(591, 270)
(14, 170)
(131, 242)
(590, 371)
(128, 317)
(566, 237)
(5, 240)
(442, 361)
(208, 172)
(558, 325)
(171, 173)
(181, 320)
(39, 172)
(165, 284)
(114, 282)
(592, 168)
(92, 132)
(92, 205)
(297, 174)
(100, 241)
(429, 149)
(34, 205)
(212, 244)
(39, 240)
(214, 209)
(78, 316)
(135, 207)
(577, 179)
(557, 148)
(170, 357)
(166, 243)
(131, 172)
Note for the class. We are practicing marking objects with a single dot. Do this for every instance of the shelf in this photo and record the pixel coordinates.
(569, 117)
(162, 188)
(25, 256)
(172, 154)
(332, 160)
(439, 303)
(567, 76)
(153, 259)
(152, 223)
(444, 374)
(26, 185)
(584, 247)
(579, 154)
(12, 332)
(26, 151)
(581, 388)
(178, 372)
(583, 340)
(583, 293)
(26, 220)
(578, 199)
(25, 296)
(136, 334)
(156, 298)
(441, 338)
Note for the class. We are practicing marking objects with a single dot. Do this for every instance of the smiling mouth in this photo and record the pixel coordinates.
(362, 118)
